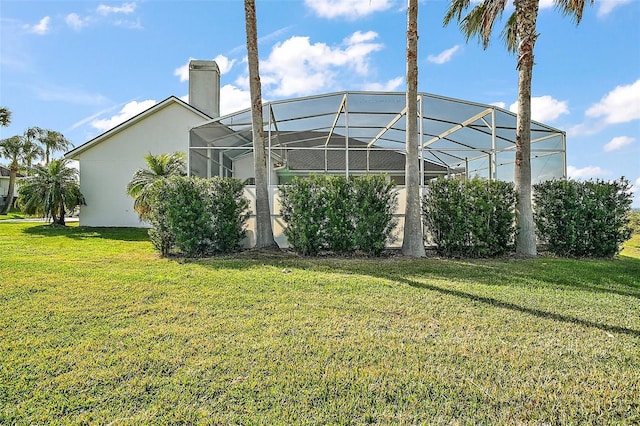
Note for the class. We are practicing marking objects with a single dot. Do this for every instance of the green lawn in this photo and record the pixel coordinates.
(12, 215)
(97, 329)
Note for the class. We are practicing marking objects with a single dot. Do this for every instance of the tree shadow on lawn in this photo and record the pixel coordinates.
(622, 274)
(514, 307)
(84, 232)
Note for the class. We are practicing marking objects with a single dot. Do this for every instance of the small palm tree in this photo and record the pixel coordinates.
(158, 167)
(13, 149)
(53, 141)
(51, 191)
(5, 117)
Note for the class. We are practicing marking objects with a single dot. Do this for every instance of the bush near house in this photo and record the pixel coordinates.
(197, 217)
(339, 215)
(583, 219)
(471, 218)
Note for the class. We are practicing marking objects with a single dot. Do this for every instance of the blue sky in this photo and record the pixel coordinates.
(81, 67)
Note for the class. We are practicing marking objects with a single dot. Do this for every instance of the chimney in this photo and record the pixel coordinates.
(204, 87)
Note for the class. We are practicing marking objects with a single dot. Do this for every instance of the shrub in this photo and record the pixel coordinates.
(197, 216)
(583, 219)
(338, 214)
(304, 209)
(374, 203)
(229, 211)
(469, 217)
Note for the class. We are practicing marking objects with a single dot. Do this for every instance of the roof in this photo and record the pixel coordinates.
(453, 133)
(132, 121)
(4, 172)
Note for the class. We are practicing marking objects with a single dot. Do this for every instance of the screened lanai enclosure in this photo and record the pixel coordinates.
(356, 133)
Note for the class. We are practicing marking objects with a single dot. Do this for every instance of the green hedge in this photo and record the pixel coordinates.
(469, 217)
(340, 215)
(197, 217)
(583, 219)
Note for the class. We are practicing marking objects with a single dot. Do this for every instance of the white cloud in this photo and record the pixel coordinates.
(636, 187)
(588, 172)
(546, 4)
(41, 28)
(125, 8)
(388, 86)
(134, 24)
(444, 56)
(606, 6)
(224, 63)
(499, 104)
(76, 22)
(618, 142)
(349, 9)
(182, 72)
(297, 67)
(621, 105)
(233, 99)
(69, 95)
(131, 109)
(544, 108)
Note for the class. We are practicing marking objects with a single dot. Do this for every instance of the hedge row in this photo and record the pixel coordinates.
(573, 219)
(583, 219)
(197, 217)
(471, 218)
(340, 215)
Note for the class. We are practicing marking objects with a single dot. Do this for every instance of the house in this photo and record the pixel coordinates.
(4, 185)
(349, 133)
(108, 162)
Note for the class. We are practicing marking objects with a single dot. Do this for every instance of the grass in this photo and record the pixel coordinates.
(13, 215)
(96, 328)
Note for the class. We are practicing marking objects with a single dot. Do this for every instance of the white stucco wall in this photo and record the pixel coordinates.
(107, 167)
(243, 169)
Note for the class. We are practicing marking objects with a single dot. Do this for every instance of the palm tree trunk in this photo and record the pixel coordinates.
(13, 172)
(413, 240)
(526, 16)
(264, 230)
(62, 214)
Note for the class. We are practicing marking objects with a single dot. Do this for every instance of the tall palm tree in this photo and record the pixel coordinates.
(53, 141)
(413, 240)
(31, 152)
(158, 167)
(12, 149)
(5, 117)
(520, 36)
(51, 191)
(264, 230)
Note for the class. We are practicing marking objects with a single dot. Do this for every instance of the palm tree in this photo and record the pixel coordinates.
(31, 152)
(53, 141)
(51, 191)
(5, 117)
(413, 240)
(264, 230)
(158, 167)
(520, 36)
(13, 149)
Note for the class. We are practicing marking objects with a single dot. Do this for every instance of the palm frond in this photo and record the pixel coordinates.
(572, 8)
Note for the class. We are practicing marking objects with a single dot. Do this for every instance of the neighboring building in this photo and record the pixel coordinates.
(108, 162)
(4, 185)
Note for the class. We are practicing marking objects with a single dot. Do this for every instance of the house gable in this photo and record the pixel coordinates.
(108, 161)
